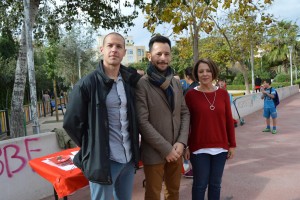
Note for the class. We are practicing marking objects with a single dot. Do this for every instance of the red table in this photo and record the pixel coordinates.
(64, 182)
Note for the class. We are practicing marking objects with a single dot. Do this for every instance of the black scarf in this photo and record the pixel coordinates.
(164, 82)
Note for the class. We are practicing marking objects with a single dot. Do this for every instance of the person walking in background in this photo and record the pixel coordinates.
(101, 120)
(268, 94)
(163, 122)
(257, 83)
(212, 136)
(46, 96)
(46, 102)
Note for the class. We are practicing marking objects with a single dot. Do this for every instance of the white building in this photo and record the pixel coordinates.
(134, 54)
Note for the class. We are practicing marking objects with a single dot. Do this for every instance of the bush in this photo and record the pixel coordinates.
(236, 87)
(238, 80)
(243, 87)
(280, 84)
(282, 78)
(297, 81)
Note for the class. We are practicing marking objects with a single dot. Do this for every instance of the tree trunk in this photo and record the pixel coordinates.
(17, 111)
(196, 28)
(243, 69)
(195, 46)
(245, 75)
(30, 65)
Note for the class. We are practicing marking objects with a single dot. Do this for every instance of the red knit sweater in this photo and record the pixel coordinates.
(210, 128)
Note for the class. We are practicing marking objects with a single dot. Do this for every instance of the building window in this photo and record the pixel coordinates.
(130, 59)
(140, 52)
(130, 51)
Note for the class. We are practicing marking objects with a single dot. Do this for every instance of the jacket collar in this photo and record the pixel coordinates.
(129, 75)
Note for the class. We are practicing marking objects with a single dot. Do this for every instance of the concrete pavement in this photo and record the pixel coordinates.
(47, 123)
(265, 167)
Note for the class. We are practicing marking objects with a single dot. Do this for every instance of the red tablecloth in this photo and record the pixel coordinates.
(64, 182)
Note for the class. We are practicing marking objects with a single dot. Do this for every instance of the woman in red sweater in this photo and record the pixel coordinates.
(212, 137)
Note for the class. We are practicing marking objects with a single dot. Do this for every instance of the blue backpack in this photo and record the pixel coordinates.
(276, 98)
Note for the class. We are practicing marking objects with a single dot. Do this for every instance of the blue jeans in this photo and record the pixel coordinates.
(208, 171)
(122, 177)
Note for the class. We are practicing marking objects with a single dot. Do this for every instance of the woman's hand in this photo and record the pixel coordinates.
(231, 153)
(187, 154)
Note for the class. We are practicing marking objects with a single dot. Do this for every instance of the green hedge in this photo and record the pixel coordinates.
(280, 84)
(243, 87)
(236, 87)
(297, 81)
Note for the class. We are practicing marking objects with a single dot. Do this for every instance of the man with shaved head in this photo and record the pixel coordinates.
(101, 120)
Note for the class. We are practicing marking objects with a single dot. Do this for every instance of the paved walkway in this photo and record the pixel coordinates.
(47, 123)
(266, 166)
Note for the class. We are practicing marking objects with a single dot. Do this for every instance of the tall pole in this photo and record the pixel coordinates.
(261, 64)
(291, 64)
(296, 72)
(78, 62)
(252, 66)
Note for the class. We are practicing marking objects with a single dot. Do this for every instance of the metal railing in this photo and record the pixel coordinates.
(43, 108)
(4, 122)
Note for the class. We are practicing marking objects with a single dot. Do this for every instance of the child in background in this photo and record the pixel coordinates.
(268, 94)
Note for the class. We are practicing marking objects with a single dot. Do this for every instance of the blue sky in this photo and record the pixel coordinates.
(281, 9)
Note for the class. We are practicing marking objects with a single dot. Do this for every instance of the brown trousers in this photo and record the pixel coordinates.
(169, 173)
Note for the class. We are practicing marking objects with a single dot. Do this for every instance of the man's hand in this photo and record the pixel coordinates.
(179, 147)
(173, 155)
(176, 152)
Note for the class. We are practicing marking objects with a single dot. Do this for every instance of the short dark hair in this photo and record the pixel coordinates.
(113, 33)
(160, 39)
(222, 78)
(268, 81)
(189, 72)
(212, 66)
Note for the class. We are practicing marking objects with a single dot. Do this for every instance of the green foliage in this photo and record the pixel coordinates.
(76, 49)
(243, 87)
(280, 84)
(140, 65)
(11, 15)
(7, 68)
(8, 51)
(215, 48)
(282, 78)
(297, 81)
(284, 34)
(51, 14)
(51, 65)
(105, 14)
(180, 59)
(43, 79)
(181, 14)
(263, 74)
(8, 46)
(236, 87)
(238, 80)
